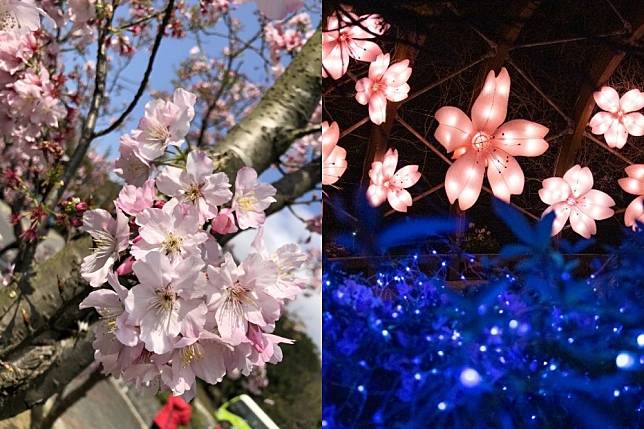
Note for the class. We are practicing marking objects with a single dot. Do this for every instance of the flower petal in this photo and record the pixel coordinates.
(406, 176)
(596, 204)
(334, 166)
(616, 135)
(491, 106)
(600, 122)
(607, 98)
(454, 128)
(634, 212)
(634, 124)
(399, 199)
(562, 213)
(632, 100)
(579, 179)
(521, 138)
(363, 50)
(581, 223)
(378, 108)
(554, 190)
(464, 180)
(504, 174)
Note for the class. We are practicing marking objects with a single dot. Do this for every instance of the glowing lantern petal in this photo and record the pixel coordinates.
(581, 223)
(616, 135)
(634, 212)
(454, 128)
(600, 122)
(579, 179)
(334, 163)
(378, 108)
(634, 124)
(596, 204)
(554, 190)
(632, 100)
(364, 50)
(399, 200)
(607, 98)
(407, 176)
(634, 184)
(572, 198)
(562, 213)
(522, 138)
(389, 163)
(491, 106)
(504, 174)
(464, 180)
(378, 67)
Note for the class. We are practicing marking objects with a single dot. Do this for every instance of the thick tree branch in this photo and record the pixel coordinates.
(266, 133)
(38, 372)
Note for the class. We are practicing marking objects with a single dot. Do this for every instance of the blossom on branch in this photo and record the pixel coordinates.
(251, 199)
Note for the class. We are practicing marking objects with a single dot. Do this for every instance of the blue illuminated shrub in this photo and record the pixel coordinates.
(544, 341)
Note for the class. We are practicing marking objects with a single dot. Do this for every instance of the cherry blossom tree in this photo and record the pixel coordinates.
(145, 284)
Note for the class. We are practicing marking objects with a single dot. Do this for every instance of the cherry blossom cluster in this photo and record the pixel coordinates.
(176, 307)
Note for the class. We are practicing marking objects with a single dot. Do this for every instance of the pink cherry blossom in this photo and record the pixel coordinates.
(110, 238)
(196, 185)
(265, 347)
(334, 163)
(81, 12)
(572, 197)
(383, 83)
(163, 299)
(389, 184)
(110, 306)
(197, 356)
(251, 199)
(486, 141)
(173, 230)
(133, 200)
(165, 123)
(275, 10)
(634, 184)
(620, 117)
(289, 260)
(343, 38)
(237, 295)
(224, 222)
(21, 15)
(131, 166)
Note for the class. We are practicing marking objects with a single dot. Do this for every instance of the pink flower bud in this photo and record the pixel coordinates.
(224, 222)
(126, 267)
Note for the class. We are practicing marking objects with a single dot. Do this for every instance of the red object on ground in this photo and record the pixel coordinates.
(176, 412)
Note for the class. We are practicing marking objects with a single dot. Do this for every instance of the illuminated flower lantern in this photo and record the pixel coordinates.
(383, 83)
(389, 184)
(334, 163)
(572, 197)
(348, 37)
(620, 117)
(634, 184)
(485, 141)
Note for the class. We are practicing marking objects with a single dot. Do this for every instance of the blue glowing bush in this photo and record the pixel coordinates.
(545, 340)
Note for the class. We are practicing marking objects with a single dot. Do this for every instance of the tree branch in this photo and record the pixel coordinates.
(146, 75)
(266, 133)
